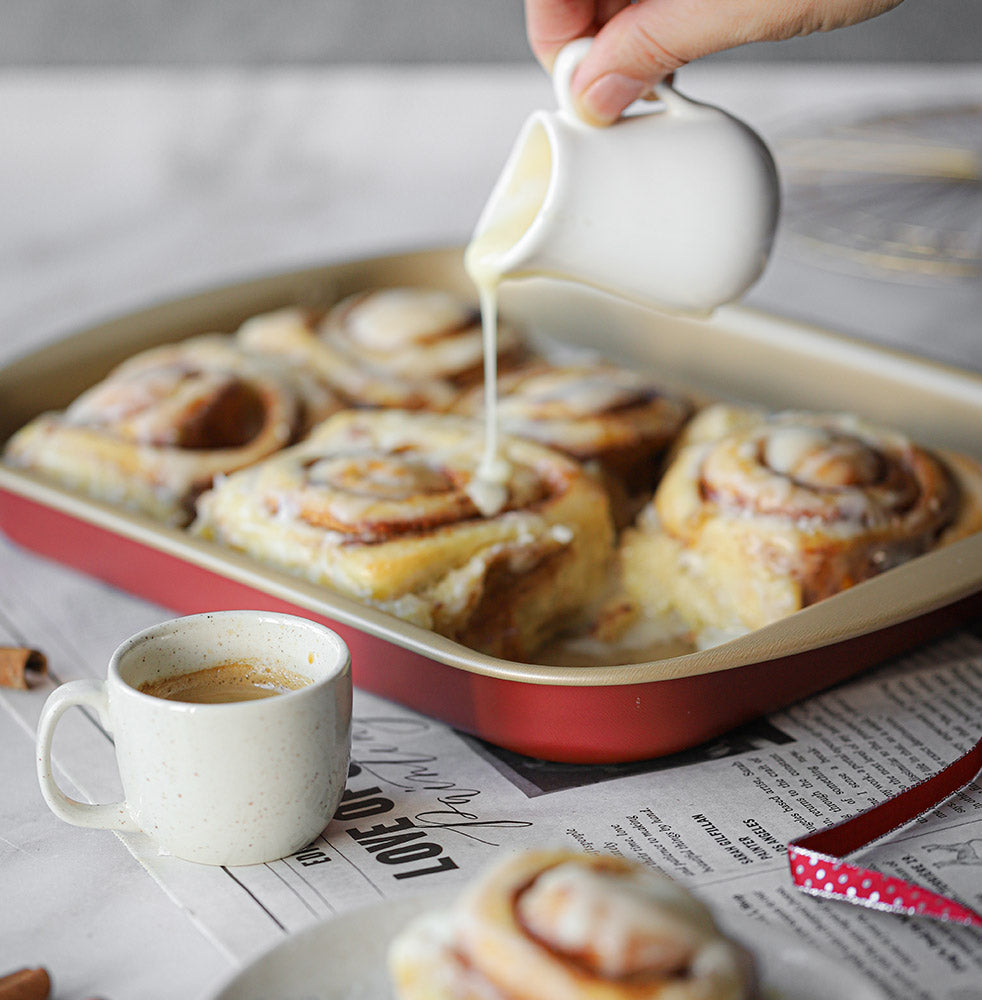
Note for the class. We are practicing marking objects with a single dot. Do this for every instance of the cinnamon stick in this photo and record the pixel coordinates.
(15, 664)
(25, 984)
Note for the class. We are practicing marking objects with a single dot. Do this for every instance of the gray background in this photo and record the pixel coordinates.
(312, 32)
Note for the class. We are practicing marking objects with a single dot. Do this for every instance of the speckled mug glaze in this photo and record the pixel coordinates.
(235, 783)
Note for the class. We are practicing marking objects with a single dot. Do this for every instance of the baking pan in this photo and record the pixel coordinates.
(595, 714)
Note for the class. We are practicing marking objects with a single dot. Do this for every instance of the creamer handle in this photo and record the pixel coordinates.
(573, 53)
(570, 56)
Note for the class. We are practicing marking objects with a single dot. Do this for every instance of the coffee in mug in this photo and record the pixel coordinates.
(210, 772)
(238, 680)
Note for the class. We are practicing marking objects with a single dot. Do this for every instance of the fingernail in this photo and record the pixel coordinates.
(603, 101)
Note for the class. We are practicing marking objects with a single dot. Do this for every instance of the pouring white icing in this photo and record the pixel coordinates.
(520, 204)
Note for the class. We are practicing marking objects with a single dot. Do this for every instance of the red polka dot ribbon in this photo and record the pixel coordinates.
(816, 860)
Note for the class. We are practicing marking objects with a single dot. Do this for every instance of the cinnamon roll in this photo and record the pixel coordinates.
(558, 925)
(408, 348)
(617, 421)
(760, 515)
(380, 506)
(153, 434)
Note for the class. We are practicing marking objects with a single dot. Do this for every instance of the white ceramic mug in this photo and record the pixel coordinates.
(674, 206)
(235, 783)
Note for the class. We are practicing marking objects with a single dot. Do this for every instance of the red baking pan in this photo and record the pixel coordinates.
(582, 714)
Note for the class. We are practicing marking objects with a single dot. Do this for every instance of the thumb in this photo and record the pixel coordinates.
(632, 52)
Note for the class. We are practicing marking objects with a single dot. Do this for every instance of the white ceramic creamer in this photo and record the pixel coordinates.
(674, 206)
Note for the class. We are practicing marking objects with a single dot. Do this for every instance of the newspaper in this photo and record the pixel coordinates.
(427, 808)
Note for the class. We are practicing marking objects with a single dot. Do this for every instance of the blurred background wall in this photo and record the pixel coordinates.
(269, 32)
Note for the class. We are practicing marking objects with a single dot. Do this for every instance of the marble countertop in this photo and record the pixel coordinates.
(121, 188)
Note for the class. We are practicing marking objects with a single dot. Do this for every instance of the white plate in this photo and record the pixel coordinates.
(344, 958)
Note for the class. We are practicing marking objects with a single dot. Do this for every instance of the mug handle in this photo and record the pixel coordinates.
(572, 54)
(104, 816)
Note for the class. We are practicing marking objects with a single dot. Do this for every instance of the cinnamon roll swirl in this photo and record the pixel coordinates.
(760, 515)
(617, 421)
(379, 506)
(407, 348)
(153, 434)
(558, 925)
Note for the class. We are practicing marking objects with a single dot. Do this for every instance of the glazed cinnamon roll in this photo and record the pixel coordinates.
(153, 434)
(382, 506)
(558, 925)
(409, 348)
(760, 515)
(615, 420)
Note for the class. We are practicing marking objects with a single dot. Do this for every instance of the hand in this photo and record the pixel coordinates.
(639, 44)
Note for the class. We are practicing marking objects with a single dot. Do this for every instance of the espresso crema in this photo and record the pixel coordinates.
(226, 682)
